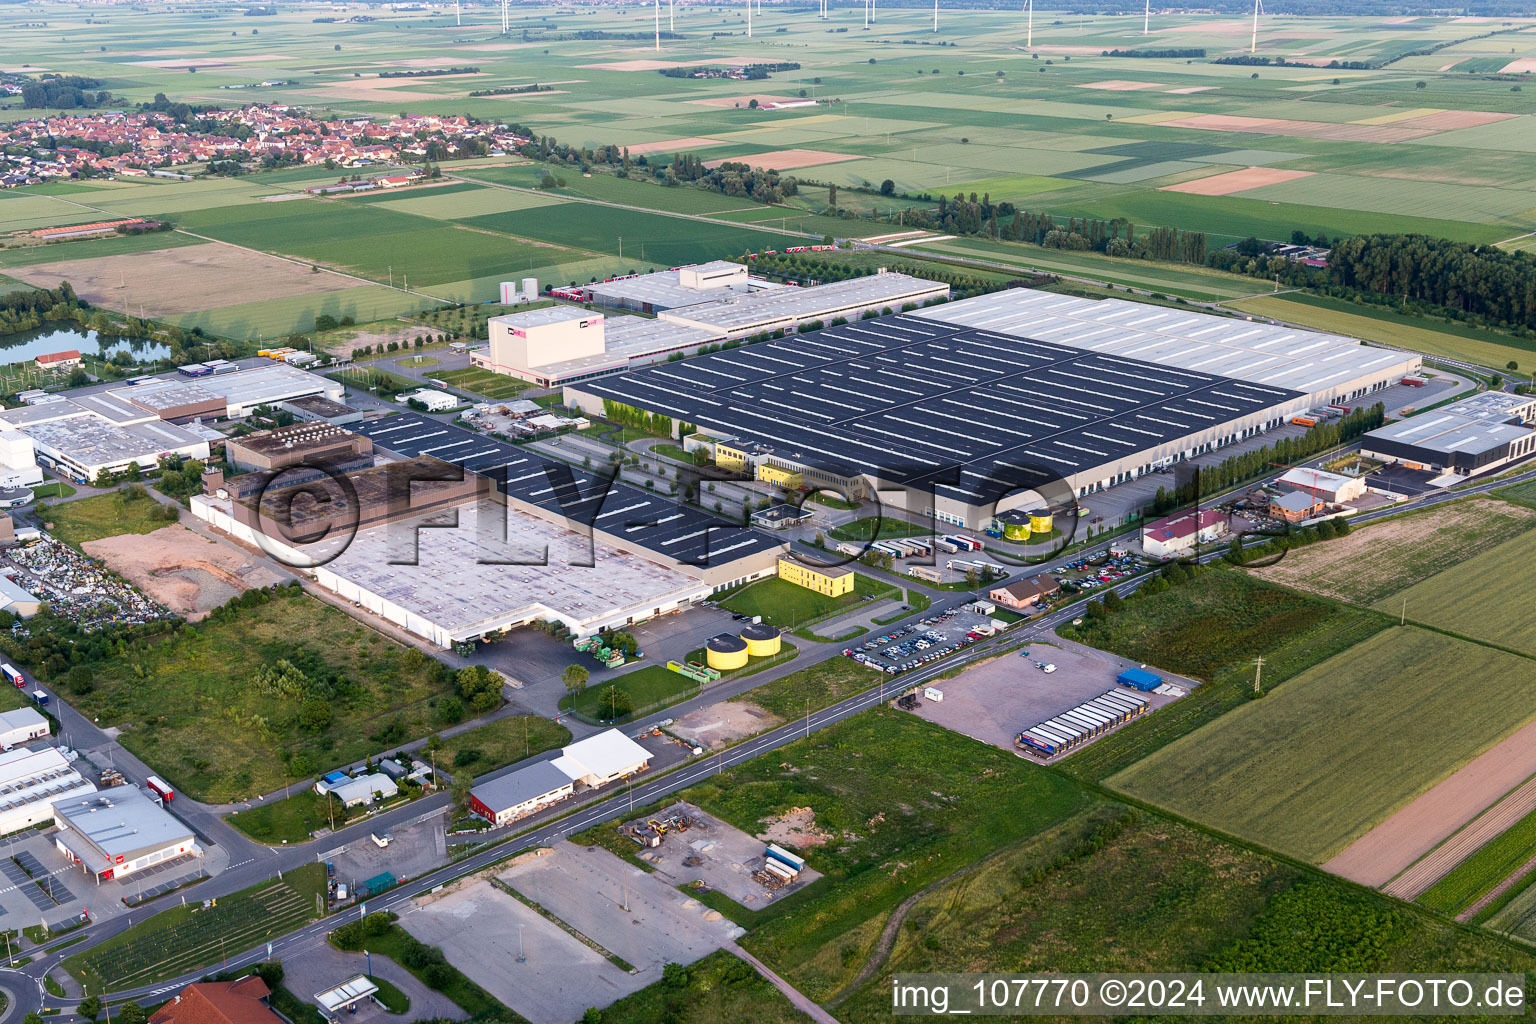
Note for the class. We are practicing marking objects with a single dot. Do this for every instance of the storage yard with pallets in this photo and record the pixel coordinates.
(1014, 693)
(698, 850)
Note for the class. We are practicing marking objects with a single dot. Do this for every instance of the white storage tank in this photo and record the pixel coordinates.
(530, 289)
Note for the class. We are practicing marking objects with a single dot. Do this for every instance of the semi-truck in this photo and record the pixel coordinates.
(160, 788)
(10, 672)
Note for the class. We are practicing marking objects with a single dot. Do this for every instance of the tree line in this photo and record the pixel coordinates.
(1246, 465)
(1477, 279)
(732, 179)
(62, 92)
(1168, 52)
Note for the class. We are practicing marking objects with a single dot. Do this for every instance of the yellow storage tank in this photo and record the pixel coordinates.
(763, 640)
(1040, 521)
(725, 652)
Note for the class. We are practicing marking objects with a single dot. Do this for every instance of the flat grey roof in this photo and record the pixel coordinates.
(272, 382)
(630, 337)
(665, 290)
(122, 821)
(741, 312)
(1259, 353)
(166, 395)
(1449, 433)
(1494, 405)
(521, 786)
(93, 442)
(543, 316)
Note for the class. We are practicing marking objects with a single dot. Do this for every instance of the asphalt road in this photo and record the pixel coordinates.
(608, 809)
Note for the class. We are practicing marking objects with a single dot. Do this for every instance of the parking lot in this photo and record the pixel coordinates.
(719, 855)
(906, 648)
(414, 849)
(998, 699)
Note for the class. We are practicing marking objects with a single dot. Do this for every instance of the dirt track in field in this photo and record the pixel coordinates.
(1413, 831)
(183, 280)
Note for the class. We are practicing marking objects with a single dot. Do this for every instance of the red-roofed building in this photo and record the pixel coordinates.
(59, 360)
(243, 1001)
(1177, 534)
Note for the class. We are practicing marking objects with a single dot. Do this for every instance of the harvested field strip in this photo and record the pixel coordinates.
(1381, 560)
(1325, 758)
(1481, 597)
(1413, 832)
(1505, 852)
(1435, 868)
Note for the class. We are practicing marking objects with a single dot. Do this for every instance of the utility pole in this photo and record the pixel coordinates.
(1258, 672)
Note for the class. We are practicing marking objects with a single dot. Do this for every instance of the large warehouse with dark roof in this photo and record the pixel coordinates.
(1009, 399)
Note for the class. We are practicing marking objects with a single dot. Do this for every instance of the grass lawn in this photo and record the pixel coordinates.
(786, 604)
(823, 684)
(53, 489)
(181, 939)
(672, 451)
(1211, 629)
(500, 743)
(1319, 761)
(720, 987)
(292, 818)
(1482, 597)
(1524, 493)
(219, 735)
(1495, 861)
(1384, 558)
(495, 386)
(648, 688)
(878, 528)
(909, 803)
(420, 361)
(106, 515)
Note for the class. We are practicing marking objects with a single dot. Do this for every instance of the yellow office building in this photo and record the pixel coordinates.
(832, 582)
(789, 479)
(733, 459)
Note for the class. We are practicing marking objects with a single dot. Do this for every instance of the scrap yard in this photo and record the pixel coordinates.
(76, 586)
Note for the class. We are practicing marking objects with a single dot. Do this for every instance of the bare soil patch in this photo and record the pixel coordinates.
(188, 573)
(1517, 67)
(744, 100)
(1235, 181)
(719, 724)
(1384, 558)
(1299, 129)
(1450, 120)
(1191, 89)
(786, 159)
(796, 827)
(671, 145)
(1418, 828)
(172, 281)
(1118, 85)
(378, 337)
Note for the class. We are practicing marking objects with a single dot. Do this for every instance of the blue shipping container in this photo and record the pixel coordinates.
(1140, 679)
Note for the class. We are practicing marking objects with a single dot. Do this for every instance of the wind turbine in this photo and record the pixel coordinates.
(671, 25)
(749, 19)
(1029, 33)
(936, 14)
(458, 18)
(1146, 19)
(1253, 45)
(657, 5)
(866, 13)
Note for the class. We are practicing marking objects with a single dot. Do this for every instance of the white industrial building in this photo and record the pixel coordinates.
(601, 759)
(110, 427)
(1182, 533)
(1463, 439)
(695, 306)
(1334, 488)
(23, 725)
(31, 781)
(521, 793)
(118, 831)
(1013, 399)
(433, 400)
(361, 789)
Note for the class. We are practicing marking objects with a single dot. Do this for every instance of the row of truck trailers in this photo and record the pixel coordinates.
(782, 864)
(905, 547)
(1082, 723)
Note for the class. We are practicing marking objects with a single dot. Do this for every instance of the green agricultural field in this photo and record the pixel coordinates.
(1323, 758)
(131, 510)
(181, 939)
(1476, 876)
(641, 234)
(1212, 628)
(220, 735)
(1491, 349)
(1481, 597)
(786, 604)
(1524, 493)
(648, 689)
(1382, 559)
(90, 248)
(495, 386)
(275, 317)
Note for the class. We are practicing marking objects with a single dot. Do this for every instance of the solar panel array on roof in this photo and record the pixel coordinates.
(680, 533)
(913, 401)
